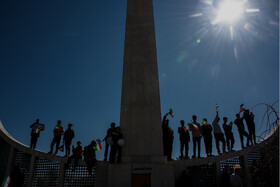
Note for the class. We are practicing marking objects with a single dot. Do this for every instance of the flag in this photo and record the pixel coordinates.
(242, 108)
(7, 182)
(186, 128)
(98, 147)
(195, 126)
(61, 148)
(38, 128)
(204, 122)
(217, 106)
(171, 113)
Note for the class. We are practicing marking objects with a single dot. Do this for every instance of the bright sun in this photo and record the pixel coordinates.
(229, 11)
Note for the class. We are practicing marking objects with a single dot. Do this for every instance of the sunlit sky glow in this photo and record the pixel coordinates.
(63, 60)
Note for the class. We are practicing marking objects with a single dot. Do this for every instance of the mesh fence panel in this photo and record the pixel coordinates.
(79, 177)
(202, 176)
(46, 173)
(4, 157)
(24, 159)
(230, 162)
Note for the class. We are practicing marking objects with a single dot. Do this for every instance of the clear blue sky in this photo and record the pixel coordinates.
(63, 60)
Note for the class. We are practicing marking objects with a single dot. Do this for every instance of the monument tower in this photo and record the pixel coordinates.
(143, 163)
(140, 103)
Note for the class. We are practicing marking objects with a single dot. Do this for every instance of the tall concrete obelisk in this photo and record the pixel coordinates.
(143, 163)
(140, 103)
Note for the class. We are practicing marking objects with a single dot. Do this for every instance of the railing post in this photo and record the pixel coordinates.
(218, 173)
(247, 170)
(32, 167)
(10, 161)
(61, 174)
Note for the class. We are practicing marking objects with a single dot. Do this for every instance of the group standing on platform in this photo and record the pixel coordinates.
(114, 138)
(205, 130)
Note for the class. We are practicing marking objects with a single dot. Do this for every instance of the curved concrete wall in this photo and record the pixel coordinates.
(37, 156)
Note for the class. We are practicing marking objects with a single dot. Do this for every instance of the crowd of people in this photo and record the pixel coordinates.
(114, 138)
(205, 130)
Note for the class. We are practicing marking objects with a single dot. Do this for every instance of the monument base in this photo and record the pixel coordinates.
(137, 174)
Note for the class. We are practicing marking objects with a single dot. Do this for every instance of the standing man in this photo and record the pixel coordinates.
(167, 135)
(109, 134)
(184, 140)
(207, 135)
(67, 139)
(57, 133)
(196, 136)
(116, 149)
(249, 118)
(37, 127)
(218, 134)
(229, 135)
(240, 126)
(90, 156)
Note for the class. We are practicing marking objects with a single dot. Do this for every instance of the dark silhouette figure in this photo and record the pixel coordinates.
(109, 134)
(185, 179)
(226, 176)
(16, 176)
(67, 139)
(229, 135)
(90, 156)
(218, 134)
(196, 136)
(235, 178)
(57, 133)
(77, 154)
(207, 135)
(37, 127)
(240, 126)
(116, 149)
(184, 140)
(168, 137)
(249, 118)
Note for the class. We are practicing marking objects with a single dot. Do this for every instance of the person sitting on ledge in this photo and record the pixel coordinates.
(77, 154)
(90, 156)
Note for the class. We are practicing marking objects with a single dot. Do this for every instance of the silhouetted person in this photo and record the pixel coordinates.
(249, 118)
(77, 154)
(196, 136)
(67, 139)
(184, 140)
(235, 178)
(168, 137)
(185, 179)
(240, 126)
(116, 149)
(226, 176)
(218, 134)
(207, 135)
(37, 127)
(16, 177)
(90, 156)
(109, 134)
(229, 135)
(57, 133)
